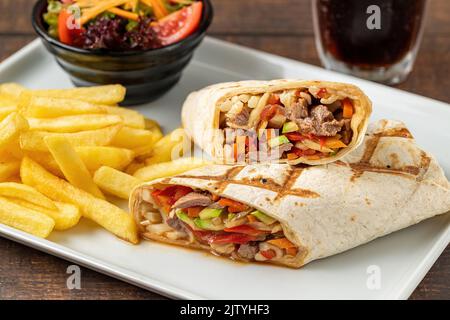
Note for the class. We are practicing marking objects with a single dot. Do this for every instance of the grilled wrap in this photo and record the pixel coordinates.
(290, 215)
(294, 121)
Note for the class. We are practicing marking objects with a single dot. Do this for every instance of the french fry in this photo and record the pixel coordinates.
(130, 117)
(168, 147)
(65, 216)
(131, 138)
(14, 178)
(12, 150)
(34, 140)
(71, 165)
(69, 124)
(166, 169)
(8, 169)
(11, 90)
(7, 110)
(27, 193)
(11, 127)
(154, 128)
(47, 107)
(109, 94)
(104, 213)
(151, 124)
(6, 101)
(96, 157)
(134, 166)
(157, 158)
(24, 219)
(46, 160)
(115, 182)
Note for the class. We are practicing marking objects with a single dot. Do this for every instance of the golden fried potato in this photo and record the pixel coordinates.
(115, 182)
(134, 166)
(151, 124)
(11, 127)
(131, 138)
(8, 168)
(46, 160)
(6, 110)
(95, 157)
(71, 165)
(7, 102)
(27, 193)
(171, 146)
(25, 219)
(130, 117)
(12, 150)
(166, 169)
(65, 216)
(11, 90)
(34, 140)
(69, 124)
(104, 213)
(109, 94)
(47, 107)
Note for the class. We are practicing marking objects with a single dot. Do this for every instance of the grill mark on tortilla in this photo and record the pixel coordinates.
(395, 132)
(364, 164)
(287, 188)
(425, 162)
(281, 190)
(358, 168)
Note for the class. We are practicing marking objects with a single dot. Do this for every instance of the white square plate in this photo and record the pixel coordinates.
(403, 258)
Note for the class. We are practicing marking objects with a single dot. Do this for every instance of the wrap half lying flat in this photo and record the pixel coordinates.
(312, 122)
(292, 215)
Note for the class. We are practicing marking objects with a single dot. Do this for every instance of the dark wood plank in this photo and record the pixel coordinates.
(26, 273)
(10, 44)
(236, 16)
(436, 284)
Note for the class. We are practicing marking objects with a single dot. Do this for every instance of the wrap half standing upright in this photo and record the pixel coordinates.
(293, 121)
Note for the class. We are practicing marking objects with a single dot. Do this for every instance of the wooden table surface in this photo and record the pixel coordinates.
(283, 27)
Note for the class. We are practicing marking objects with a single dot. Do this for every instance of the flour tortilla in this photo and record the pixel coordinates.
(387, 184)
(200, 114)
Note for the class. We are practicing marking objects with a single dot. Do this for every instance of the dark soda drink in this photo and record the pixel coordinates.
(360, 36)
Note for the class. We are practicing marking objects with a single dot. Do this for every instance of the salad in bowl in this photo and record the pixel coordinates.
(122, 24)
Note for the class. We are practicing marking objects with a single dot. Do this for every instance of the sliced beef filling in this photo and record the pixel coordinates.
(192, 199)
(239, 119)
(320, 123)
(297, 110)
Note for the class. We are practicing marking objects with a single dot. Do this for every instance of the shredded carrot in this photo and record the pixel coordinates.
(233, 206)
(215, 197)
(125, 14)
(347, 108)
(282, 243)
(292, 156)
(251, 218)
(269, 134)
(158, 6)
(194, 211)
(91, 13)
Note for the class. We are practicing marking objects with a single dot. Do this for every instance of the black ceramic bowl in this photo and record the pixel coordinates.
(146, 74)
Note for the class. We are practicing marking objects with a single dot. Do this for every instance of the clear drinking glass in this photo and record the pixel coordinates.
(373, 39)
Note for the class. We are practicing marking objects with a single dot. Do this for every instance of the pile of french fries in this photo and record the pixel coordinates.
(64, 153)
